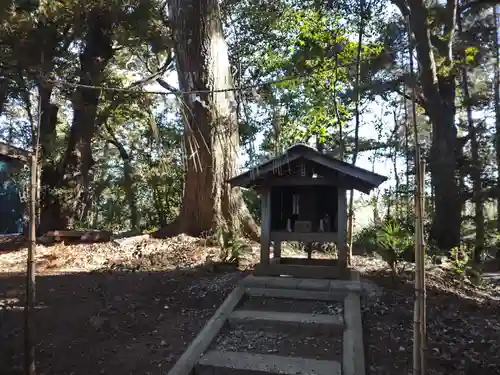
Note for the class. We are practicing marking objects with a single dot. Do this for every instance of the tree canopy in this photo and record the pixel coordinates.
(135, 108)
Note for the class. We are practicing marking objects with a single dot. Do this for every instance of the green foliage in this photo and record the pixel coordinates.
(232, 248)
(307, 103)
(390, 240)
(393, 240)
(308, 42)
(157, 171)
(366, 239)
(312, 46)
(470, 54)
(252, 200)
(147, 170)
(459, 259)
(462, 264)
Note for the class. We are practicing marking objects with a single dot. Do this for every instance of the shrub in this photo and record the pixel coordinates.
(252, 201)
(463, 265)
(366, 239)
(232, 247)
(393, 241)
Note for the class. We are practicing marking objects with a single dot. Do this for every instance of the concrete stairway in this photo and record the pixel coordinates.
(267, 320)
(286, 294)
(226, 363)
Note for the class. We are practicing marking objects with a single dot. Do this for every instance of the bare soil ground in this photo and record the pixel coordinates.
(127, 308)
(133, 307)
(119, 323)
(463, 323)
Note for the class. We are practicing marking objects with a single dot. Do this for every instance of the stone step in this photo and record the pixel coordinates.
(320, 285)
(296, 294)
(273, 320)
(239, 363)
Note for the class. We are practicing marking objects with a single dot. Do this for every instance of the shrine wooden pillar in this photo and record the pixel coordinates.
(342, 226)
(265, 228)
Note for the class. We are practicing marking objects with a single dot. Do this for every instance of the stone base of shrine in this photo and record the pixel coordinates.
(303, 268)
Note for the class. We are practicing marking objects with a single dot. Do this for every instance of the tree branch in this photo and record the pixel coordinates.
(420, 28)
(403, 7)
(113, 140)
(449, 27)
(381, 87)
(165, 85)
(440, 44)
(478, 4)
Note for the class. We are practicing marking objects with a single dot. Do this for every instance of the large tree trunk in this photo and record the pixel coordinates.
(49, 203)
(475, 174)
(159, 206)
(445, 230)
(497, 114)
(50, 208)
(77, 164)
(439, 102)
(69, 186)
(477, 193)
(100, 185)
(128, 180)
(4, 91)
(394, 157)
(211, 129)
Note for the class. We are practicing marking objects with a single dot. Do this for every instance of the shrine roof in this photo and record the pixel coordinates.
(258, 175)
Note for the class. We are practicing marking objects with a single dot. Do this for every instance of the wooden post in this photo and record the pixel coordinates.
(350, 227)
(423, 317)
(419, 329)
(342, 226)
(417, 369)
(265, 231)
(29, 311)
(277, 249)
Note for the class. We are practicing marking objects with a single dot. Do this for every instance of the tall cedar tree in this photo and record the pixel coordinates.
(210, 118)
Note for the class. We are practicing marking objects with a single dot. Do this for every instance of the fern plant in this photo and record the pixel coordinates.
(461, 262)
(392, 241)
(231, 247)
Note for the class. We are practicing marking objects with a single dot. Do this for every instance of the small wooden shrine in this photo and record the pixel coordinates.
(303, 198)
(12, 160)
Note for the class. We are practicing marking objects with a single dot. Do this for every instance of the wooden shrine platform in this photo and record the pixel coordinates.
(303, 268)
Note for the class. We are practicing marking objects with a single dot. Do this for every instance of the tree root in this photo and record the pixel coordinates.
(170, 230)
(249, 229)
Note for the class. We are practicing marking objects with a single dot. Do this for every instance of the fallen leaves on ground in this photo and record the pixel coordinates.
(110, 323)
(93, 318)
(136, 253)
(463, 323)
(141, 322)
